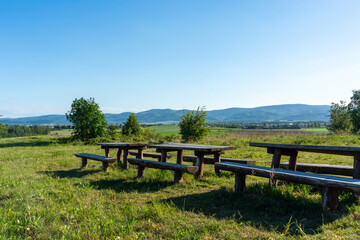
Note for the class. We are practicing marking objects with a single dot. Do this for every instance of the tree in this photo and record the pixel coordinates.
(1, 124)
(193, 125)
(354, 109)
(87, 119)
(340, 118)
(131, 126)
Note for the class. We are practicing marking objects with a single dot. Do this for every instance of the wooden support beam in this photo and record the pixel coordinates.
(126, 154)
(217, 159)
(177, 176)
(141, 170)
(83, 163)
(179, 157)
(275, 164)
(357, 166)
(119, 156)
(240, 182)
(200, 163)
(293, 160)
(329, 199)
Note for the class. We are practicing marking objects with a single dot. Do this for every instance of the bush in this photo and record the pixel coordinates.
(131, 126)
(87, 119)
(193, 125)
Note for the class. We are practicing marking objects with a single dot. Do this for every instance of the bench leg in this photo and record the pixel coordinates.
(83, 163)
(329, 199)
(240, 182)
(217, 159)
(105, 166)
(177, 177)
(126, 154)
(141, 170)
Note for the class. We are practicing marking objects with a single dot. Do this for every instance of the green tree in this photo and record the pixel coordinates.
(131, 126)
(354, 109)
(193, 125)
(87, 119)
(340, 118)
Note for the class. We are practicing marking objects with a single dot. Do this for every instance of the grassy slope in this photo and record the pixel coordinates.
(43, 195)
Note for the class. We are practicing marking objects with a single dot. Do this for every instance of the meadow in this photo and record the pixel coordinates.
(44, 195)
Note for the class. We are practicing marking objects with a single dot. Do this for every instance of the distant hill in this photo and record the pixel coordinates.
(287, 112)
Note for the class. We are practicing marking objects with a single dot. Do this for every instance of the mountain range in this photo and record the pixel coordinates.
(286, 112)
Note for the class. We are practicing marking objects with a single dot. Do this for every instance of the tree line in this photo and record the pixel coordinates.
(21, 131)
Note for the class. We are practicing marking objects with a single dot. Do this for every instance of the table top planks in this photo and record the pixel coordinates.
(122, 144)
(339, 150)
(195, 147)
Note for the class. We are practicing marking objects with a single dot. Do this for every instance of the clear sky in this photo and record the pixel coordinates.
(139, 55)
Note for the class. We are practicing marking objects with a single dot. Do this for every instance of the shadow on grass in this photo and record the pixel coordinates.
(73, 173)
(131, 185)
(262, 207)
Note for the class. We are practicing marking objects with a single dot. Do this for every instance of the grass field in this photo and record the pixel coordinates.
(215, 131)
(44, 195)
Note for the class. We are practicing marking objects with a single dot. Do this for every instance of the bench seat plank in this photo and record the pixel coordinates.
(177, 168)
(148, 154)
(340, 183)
(96, 157)
(164, 165)
(322, 168)
(105, 160)
(211, 160)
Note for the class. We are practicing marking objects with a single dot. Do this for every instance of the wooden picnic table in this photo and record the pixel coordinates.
(199, 150)
(123, 150)
(292, 150)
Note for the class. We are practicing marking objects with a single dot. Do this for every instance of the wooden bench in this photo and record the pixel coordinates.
(321, 168)
(211, 160)
(148, 154)
(178, 169)
(330, 184)
(105, 160)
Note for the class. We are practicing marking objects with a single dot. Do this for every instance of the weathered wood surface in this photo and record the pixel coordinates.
(148, 154)
(321, 168)
(211, 160)
(194, 147)
(96, 157)
(340, 183)
(164, 165)
(105, 160)
(339, 150)
(123, 145)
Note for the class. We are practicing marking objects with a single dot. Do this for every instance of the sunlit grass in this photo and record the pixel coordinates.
(44, 195)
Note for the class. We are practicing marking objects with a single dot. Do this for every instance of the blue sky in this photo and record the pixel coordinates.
(139, 55)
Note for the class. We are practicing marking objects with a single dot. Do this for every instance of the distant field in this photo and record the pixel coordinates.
(215, 131)
(165, 129)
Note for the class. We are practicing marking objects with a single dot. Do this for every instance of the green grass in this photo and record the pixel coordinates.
(43, 195)
(166, 129)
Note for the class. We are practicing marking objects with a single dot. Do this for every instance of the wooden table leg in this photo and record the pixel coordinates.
(126, 153)
(179, 157)
(119, 155)
(217, 159)
(107, 150)
(163, 155)
(140, 154)
(199, 163)
(275, 164)
(293, 160)
(357, 166)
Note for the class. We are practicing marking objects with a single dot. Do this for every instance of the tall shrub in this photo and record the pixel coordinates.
(193, 125)
(131, 126)
(87, 119)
